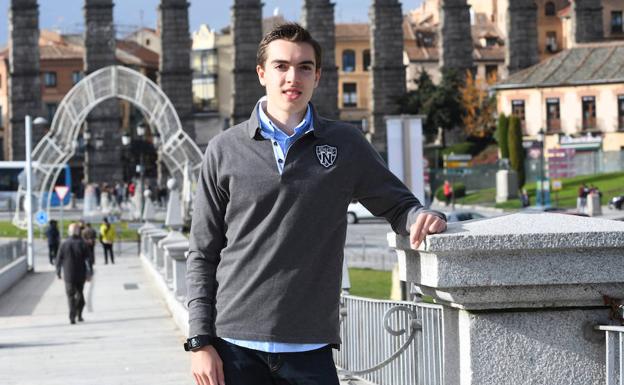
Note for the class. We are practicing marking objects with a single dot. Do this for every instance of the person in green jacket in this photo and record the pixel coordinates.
(107, 238)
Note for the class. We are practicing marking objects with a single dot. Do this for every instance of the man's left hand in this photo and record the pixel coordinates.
(426, 223)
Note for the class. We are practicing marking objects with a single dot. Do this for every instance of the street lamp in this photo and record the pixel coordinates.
(126, 140)
(98, 142)
(28, 202)
(540, 139)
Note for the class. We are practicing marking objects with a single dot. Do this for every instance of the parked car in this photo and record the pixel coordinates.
(550, 209)
(462, 215)
(617, 202)
(356, 212)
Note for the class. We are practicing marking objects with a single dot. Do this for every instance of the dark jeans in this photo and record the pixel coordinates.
(244, 366)
(53, 251)
(92, 253)
(108, 248)
(75, 299)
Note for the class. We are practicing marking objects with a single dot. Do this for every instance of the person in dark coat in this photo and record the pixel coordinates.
(73, 260)
(89, 235)
(54, 239)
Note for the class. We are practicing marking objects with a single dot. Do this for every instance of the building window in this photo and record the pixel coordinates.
(551, 41)
(491, 42)
(49, 79)
(204, 62)
(51, 110)
(349, 95)
(616, 22)
(348, 60)
(491, 72)
(76, 76)
(205, 94)
(366, 59)
(517, 110)
(147, 42)
(553, 117)
(589, 112)
(621, 112)
(550, 9)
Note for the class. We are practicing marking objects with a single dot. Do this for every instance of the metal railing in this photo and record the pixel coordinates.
(391, 342)
(10, 251)
(614, 336)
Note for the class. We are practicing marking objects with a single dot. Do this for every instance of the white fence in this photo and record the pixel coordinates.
(390, 342)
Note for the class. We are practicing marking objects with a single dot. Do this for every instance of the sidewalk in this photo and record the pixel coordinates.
(128, 336)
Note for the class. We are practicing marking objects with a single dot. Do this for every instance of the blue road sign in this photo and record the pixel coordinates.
(41, 217)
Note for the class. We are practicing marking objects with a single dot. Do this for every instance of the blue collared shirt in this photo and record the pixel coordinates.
(281, 143)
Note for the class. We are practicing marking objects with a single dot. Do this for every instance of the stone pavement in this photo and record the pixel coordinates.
(128, 337)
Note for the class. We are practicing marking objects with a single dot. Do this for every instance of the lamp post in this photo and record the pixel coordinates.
(540, 139)
(28, 202)
(126, 140)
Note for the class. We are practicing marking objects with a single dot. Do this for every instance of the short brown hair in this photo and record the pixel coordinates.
(292, 32)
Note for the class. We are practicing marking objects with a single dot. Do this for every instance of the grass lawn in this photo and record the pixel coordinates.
(123, 232)
(611, 184)
(370, 283)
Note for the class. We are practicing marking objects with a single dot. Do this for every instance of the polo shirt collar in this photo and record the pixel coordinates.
(253, 124)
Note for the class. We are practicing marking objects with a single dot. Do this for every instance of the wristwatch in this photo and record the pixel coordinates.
(197, 342)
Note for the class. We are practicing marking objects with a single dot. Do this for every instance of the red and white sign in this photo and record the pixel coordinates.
(61, 191)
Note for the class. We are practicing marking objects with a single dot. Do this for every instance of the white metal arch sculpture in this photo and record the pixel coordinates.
(58, 145)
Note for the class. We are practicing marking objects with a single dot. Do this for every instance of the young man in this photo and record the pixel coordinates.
(269, 225)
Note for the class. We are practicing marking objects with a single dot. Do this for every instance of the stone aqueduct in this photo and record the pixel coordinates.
(388, 72)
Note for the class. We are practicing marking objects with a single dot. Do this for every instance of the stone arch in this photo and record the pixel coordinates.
(59, 144)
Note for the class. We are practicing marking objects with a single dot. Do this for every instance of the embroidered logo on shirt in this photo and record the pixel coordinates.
(326, 155)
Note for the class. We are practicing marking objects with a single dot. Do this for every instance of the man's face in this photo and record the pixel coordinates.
(289, 76)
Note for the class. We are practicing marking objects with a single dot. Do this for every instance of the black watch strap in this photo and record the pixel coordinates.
(197, 342)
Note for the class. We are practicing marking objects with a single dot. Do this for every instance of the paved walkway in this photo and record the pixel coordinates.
(128, 337)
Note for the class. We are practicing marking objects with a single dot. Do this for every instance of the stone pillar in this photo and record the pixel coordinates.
(587, 21)
(175, 75)
(456, 37)
(24, 80)
(104, 121)
(521, 295)
(521, 48)
(317, 16)
(246, 35)
(388, 71)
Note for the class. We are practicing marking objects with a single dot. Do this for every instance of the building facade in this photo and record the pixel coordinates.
(575, 98)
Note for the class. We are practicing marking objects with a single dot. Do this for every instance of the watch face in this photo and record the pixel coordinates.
(194, 342)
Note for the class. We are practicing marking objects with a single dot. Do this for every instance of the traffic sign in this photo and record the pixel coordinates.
(557, 184)
(61, 191)
(41, 217)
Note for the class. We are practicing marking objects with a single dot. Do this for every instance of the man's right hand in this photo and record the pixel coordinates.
(207, 367)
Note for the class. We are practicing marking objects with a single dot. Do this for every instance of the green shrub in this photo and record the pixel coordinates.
(502, 134)
(459, 190)
(516, 151)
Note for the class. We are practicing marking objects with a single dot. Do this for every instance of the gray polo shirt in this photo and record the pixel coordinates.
(266, 250)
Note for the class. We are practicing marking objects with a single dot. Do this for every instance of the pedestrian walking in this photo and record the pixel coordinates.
(54, 239)
(107, 238)
(448, 192)
(268, 230)
(73, 262)
(581, 201)
(89, 235)
(525, 199)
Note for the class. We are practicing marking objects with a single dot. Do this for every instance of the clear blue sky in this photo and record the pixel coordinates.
(66, 15)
